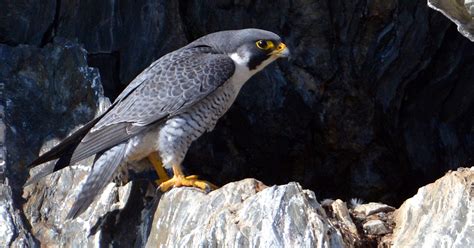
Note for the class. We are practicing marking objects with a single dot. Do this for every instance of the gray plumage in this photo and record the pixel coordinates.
(165, 108)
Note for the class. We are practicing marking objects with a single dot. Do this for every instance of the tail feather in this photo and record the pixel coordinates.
(101, 174)
(48, 169)
(63, 152)
(65, 148)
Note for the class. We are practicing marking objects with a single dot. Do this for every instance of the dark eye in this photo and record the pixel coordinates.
(264, 44)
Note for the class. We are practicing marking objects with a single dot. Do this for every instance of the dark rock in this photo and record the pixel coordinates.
(48, 92)
(26, 21)
(131, 34)
(371, 105)
(376, 101)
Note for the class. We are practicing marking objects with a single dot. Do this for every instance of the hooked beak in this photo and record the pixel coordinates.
(281, 51)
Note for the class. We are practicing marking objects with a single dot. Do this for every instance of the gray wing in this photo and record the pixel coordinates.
(170, 85)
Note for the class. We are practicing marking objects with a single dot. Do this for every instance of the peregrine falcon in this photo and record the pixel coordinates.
(165, 108)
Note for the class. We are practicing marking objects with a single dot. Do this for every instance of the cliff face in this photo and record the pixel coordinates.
(240, 214)
(376, 101)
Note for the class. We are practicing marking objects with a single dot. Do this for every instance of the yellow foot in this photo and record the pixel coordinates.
(189, 181)
(158, 165)
(159, 181)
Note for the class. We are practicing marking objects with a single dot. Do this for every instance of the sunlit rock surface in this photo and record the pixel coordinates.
(375, 102)
(13, 230)
(48, 206)
(460, 12)
(441, 214)
(242, 214)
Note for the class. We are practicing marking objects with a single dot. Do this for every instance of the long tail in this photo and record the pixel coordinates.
(101, 174)
(63, 151)
(67, 146)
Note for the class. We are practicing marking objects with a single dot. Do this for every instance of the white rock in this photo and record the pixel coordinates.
(459, 12)
(373, 208)
(342, 214)
(375, 227)
(13, 232)
(441, 214)
(242, 214)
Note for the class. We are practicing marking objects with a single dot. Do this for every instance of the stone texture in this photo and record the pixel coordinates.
(122, 37)
(47, 92)
(13, 230)
(460, 12)
(47, 207)
(441, 214)
(373, 208)
(26, 21)
(374, 104)
(341, 218)
(375, 227)
(339, 208)
(242, 214)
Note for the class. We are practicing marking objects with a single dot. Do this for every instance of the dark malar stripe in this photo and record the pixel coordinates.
(256, 60)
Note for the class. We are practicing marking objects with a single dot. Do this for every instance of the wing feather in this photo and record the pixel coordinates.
(170, 85)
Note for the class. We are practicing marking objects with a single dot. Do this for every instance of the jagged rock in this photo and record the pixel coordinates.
(374, 104)
(375, 227)
(242, 214)
(48, 205)
(248, 213)
(460, 12)
(441, 214)
(46, 92)
(373, 208)
(26, 21)
(376, 101)
(123, 37)
(340, 210)
(13, 231)
(340, 217)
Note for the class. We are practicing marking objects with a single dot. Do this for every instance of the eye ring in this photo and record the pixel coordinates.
(264, 44)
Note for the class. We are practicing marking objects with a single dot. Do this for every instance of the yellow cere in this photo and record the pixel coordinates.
(281, 46)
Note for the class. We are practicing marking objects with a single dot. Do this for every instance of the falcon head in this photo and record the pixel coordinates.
(250, 48)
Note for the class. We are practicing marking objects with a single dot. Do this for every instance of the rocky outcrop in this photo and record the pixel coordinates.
(460, 12)
(249, 214)
(441, 214)
(376, 102)
(245, 213)
(45, 93)
(47, 206)
(13, 230)
(242, 214)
